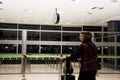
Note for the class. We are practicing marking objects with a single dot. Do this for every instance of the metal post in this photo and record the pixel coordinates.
(60, 70)
(115, 49)
(24, 38)
(102, 47)
(60, 62)
(17, 38)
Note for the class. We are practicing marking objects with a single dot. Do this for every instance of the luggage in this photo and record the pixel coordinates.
(68, 70)
(67, 77)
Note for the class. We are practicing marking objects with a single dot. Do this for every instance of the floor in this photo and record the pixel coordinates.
(54, 77)
(49, 72)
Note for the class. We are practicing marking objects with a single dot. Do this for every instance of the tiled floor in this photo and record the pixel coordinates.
(48, 72)
(55, 77)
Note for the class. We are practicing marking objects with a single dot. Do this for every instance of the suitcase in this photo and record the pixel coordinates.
(68, 70)
(67, 77)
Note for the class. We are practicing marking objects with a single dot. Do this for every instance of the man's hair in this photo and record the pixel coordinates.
(87, 36)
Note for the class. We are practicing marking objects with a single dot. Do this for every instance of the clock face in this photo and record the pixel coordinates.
(56, 18)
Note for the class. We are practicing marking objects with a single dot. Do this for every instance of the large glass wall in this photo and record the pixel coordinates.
(8, 26)
(8, 48)
(8, 35)
(56, 39)
(29, 26)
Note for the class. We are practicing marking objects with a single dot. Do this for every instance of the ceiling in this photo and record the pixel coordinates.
(72, 12)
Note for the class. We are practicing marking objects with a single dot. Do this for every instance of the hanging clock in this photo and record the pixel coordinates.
(57, 17)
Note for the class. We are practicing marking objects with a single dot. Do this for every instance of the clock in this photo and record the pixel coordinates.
(56, 17)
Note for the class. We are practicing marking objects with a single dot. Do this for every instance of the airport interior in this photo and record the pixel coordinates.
(30, 51)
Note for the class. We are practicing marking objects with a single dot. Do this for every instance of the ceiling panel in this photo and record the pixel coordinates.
(72, 12)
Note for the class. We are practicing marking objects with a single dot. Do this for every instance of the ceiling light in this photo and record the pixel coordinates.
(0, 2)
(101, 8)
(97, 8)
(93, 8)
(73, 0)
(0, 5)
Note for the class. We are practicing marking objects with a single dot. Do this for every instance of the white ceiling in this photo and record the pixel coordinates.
(72, 12)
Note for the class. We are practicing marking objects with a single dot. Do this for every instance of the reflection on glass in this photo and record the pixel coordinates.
(118, 38)
(8, 25)
(105, 28)
(72, 28)
(68, 49)
(20, 35)
(8, 35)
(32, 48)
(26, 26)
(50, 27)
(92, 28)
(8, 48)
(70, 37)
(50, 36)
(32, 35)
(19, 48)
(98, 37)
(54, 49)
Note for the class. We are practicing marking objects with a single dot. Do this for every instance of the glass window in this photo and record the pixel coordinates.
(50, 36)
(30, 35)
(20, 35)
(108, 50)
(118, 50)
(99, 50)
(54, 49)
(118, 38)
(50, 27)
(33, 27)
(1, 35)
(8, 35)
(19, 48)
(72, 28)
(33, 35)
(92, 28)
(98, 37)
(105, 28)
(32, 48)
(70, 37)
(68, 49)
(8, 48)
(8, 25)
(108, 37)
